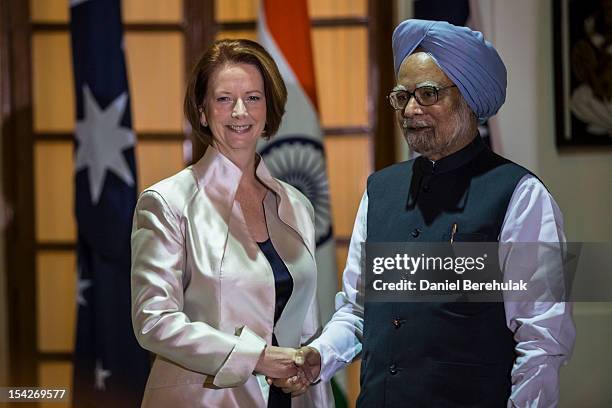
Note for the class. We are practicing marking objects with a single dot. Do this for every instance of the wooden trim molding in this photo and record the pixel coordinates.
(315, 23)
(18, 173)
(127, 27)
(381, 81)
(200, 30)
(143, 136)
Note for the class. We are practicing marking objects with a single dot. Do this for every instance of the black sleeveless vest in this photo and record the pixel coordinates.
(438, 354)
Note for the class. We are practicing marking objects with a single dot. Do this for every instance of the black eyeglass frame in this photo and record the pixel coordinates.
(436, 90)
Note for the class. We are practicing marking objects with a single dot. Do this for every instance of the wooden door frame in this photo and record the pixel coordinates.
(18, 185)
(382, 79)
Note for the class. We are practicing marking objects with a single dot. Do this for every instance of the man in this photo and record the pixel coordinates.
(438, 354)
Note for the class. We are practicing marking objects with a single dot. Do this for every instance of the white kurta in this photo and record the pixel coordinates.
(203, 294)
(544, 331)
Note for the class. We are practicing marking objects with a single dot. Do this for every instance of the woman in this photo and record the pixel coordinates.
(223, 266)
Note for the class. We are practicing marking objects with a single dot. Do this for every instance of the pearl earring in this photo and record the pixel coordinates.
(202, 122)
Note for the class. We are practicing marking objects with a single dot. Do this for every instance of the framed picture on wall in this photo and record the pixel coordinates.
(583, 72)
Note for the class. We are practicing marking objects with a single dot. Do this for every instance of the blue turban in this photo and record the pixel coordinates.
(464, 55)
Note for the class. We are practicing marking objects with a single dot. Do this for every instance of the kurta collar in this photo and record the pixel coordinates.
(425, 169)
(452, 161)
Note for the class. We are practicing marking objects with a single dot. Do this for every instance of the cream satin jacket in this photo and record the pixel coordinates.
(203, 293)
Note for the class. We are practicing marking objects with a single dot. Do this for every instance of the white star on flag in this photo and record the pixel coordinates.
(101, 375)
(102, 141)
(82, 285)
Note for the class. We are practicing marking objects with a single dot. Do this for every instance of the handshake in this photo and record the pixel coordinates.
(292, 370)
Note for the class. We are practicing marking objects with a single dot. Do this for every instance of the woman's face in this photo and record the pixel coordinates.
(235, 107)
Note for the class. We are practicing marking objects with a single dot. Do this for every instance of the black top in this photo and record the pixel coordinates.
(283, 282)
(283, 285)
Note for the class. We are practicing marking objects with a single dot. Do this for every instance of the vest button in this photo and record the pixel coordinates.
(397, 323)
(416, 232)
(426, 188)
(393, 369)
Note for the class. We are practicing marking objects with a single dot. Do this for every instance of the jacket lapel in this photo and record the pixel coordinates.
(290, 210)
(218, 180)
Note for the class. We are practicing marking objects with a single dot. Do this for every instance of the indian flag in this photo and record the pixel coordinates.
(296, 154)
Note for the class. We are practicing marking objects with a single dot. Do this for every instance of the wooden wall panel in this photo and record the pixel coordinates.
(337, 8)
(49, 11)
(157, 160)
(236, 10)
(152, 11)
(341, 253)
(341, 66)
(352, 380)
(352, 371)
(245, 10)
(52, 82)
(156, 76)
(348, 167)
(54, 191)
(55, 375)
(56, 305)
(248, 34)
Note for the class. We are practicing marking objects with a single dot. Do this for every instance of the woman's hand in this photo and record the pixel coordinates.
(277, 362)
(308, 362)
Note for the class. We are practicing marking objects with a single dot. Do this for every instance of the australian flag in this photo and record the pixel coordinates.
(459, 13)
(110, 368)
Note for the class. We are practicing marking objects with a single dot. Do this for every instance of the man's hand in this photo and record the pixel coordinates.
(277, 362)
(309, 359)
(308, 363)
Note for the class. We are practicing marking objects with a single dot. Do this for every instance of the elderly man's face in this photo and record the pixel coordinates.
(438, 130)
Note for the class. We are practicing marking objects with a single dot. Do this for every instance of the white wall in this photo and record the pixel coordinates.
(580, 182)
(514, 33)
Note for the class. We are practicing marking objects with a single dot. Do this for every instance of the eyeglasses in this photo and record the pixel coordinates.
(424, 95)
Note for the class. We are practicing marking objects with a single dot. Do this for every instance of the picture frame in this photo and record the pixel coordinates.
(583, 72)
